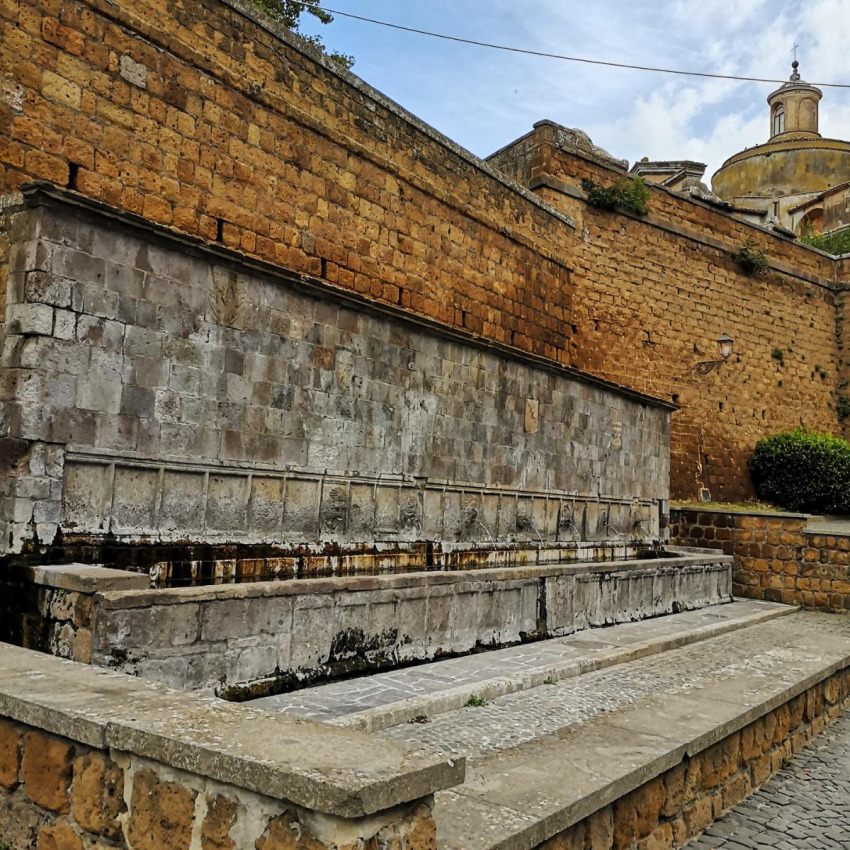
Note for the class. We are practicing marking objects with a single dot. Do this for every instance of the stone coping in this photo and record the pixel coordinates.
(82, 578)
(353, 584)
(733, 512)
(335, 771)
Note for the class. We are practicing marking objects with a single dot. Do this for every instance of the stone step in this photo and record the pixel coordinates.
(387, 699)
(541, 760)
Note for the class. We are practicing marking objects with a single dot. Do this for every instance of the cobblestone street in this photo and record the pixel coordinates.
(806, 806)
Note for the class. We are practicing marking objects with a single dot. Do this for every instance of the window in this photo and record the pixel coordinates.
(779, 120)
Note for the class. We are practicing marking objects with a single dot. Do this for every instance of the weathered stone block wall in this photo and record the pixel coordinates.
(673, 808)
(776, 557)
(249, 640)
(131, 780)
(155, 390)
(652, 294)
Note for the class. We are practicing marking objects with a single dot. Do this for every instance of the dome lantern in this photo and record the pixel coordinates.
(794, 108)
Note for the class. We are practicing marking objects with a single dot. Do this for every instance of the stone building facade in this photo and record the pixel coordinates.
(207, 125)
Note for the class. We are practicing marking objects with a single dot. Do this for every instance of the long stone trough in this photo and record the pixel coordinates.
(248, 640)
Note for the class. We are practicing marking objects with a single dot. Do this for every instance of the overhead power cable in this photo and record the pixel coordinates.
(562, 57)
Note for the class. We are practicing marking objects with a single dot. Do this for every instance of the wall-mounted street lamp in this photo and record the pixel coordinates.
(724, 344)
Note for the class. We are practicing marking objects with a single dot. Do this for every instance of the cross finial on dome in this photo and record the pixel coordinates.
(795, 74)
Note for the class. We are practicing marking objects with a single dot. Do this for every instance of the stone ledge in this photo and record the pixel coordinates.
(607, 653)
(729, 512)
(121, 599)
(82, 578)
(335, 771)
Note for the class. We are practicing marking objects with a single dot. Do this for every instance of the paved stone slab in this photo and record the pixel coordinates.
(386, 699)
(806, 806)
(662, 706)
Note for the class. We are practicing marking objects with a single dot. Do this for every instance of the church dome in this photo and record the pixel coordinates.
(795, 162)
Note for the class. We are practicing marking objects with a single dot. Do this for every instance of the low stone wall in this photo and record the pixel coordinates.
(673, 808)
(92, 759)
(51, 608)
(249, 640)
(778, 557)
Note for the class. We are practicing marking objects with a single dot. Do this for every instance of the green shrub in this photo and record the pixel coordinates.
(628, 193)
(836, 242)
(803, 471)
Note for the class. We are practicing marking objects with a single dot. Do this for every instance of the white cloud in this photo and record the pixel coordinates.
(484, 98)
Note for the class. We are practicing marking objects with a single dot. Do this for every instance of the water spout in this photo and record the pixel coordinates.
(490, 537)
(609, 527)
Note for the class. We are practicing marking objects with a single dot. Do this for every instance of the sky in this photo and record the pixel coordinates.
(484, 99)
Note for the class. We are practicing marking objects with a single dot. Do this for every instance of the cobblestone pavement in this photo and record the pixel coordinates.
(762, 652)
(339, 699)
(806, 806)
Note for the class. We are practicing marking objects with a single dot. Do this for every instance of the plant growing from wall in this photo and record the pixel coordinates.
(803, 471)
(750, 259)
(628, 193)
(778, 355)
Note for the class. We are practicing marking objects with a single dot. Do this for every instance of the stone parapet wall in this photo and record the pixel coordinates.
(132, 771)
(256, 639)
(669, 810)
(777, 557)
(57, 793)
(157, 390)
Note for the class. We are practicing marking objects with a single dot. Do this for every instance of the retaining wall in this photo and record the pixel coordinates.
(677, 806)
(651, 294)
(91, 758)
(157, 390)
(778, 557)
(210, 119)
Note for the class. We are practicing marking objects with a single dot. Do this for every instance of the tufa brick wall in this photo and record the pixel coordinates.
(196, 117)
(652, 294)
(58, 793)
(776, 558)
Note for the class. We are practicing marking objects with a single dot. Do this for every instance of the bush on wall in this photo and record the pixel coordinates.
(803, 471)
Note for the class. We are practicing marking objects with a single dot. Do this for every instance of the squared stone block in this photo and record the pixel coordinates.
(301, 510)
(86, 497)
(182, 505)
(134, 500)
(313, 630)
(265, 509)
(227, 503)
(361, 516)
